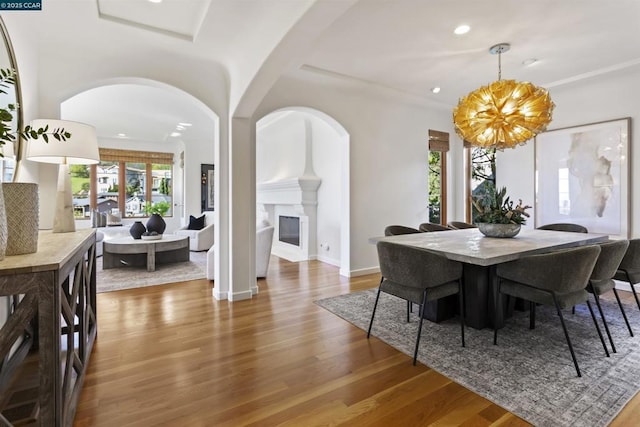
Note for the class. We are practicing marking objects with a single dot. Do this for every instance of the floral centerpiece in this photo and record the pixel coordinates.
(496, 208)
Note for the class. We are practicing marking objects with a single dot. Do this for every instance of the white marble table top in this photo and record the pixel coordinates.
(472, 247)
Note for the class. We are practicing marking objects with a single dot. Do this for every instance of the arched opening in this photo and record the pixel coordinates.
(149, 116)
(302, 185)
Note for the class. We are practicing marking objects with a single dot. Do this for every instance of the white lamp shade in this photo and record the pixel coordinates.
(79, 149)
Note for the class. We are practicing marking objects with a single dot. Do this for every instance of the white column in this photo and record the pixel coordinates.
(242, 198)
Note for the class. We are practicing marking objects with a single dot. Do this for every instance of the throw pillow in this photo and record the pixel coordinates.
(196, 223)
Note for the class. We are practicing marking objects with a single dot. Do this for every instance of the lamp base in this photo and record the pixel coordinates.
(63, 220)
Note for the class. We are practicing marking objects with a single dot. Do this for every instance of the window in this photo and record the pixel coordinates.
(126, 181)
(481, 175)
(437, 203)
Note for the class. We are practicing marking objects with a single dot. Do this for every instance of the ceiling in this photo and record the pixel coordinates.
(410, 46)
(407, 46)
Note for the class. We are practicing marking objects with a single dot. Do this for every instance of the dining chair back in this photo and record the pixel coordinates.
(430, 226)
(629, 269)
(417, 276)
(396, 230)
(459, 225)
(564, 226)
(556, 279)
(601, 280)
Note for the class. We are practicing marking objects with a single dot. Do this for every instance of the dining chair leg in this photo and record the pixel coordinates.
(633, 289)
(375, 305)
(497, 306)
(461, 301)
(595, 322)
(624, 314)
(532, 315)
(421, 311)
(566, 335)
(604, 320)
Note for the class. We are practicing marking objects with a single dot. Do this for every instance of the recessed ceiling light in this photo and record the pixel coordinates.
(180, 127)
(185, 124)
(461, 29)
(435, 89)
(122, 135)
(175, 134)
(155, 1)
(529, 61)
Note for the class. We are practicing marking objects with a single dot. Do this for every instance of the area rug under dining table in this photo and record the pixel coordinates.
(529, 372)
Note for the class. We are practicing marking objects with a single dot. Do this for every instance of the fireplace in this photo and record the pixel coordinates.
(289, 229)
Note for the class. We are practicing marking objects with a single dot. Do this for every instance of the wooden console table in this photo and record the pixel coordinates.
(56, 311)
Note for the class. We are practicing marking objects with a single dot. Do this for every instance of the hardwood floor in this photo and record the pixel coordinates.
(173, 355)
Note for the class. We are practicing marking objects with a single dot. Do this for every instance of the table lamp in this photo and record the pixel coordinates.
(79, 149)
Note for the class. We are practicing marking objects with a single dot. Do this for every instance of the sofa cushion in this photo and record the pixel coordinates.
(195, 223)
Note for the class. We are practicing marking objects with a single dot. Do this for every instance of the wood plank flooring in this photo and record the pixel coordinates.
(173, 355)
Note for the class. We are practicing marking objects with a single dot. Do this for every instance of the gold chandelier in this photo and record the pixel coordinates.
(503, 114)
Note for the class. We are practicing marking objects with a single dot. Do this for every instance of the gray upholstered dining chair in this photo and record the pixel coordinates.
(601, 280)
(556, 279)
(629, 269)
(418, 276)
(395, 230)
(430, 226)
(460, 225)
(564, 226)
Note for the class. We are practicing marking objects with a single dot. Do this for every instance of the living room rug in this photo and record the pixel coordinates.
(115, 279)
(529, 372)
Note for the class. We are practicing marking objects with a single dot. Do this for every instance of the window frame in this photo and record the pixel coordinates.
(122, 157)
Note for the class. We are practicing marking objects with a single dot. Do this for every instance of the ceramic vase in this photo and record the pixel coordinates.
(21, 208)
(137, 229)
(498, 230)
(156, 223)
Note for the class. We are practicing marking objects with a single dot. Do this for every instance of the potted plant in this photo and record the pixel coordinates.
(7, 132)
(497, 215)
(156, 211)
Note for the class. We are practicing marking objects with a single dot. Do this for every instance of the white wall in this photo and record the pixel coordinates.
(327, 164)
(280, 147)
(388, 153)
(614, 96)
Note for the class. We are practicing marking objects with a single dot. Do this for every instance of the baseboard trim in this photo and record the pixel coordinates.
(221, 296)
(240, 296)
(363, 271)
(623, 286)
(327, 260)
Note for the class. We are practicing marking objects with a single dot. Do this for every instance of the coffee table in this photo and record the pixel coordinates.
(127, 251)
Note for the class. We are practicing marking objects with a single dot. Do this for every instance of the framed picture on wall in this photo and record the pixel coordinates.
(582, 176)
(208, 187)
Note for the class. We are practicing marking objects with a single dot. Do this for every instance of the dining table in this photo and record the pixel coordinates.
(479, 256)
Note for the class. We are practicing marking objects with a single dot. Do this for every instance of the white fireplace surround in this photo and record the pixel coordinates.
(297, 197)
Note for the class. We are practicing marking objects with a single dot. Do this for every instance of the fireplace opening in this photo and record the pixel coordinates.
(289, 227)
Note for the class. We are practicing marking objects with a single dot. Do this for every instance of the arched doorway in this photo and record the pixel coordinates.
(302, 175)
(150, 116)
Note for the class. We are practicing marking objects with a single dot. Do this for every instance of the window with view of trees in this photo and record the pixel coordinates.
(438, 147)
(125, 181)
(481, 176)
